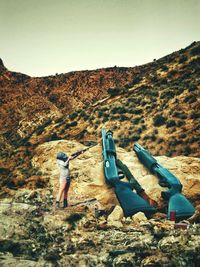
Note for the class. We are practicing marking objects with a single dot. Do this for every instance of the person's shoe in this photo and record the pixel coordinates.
(57, 204)
(65, 203)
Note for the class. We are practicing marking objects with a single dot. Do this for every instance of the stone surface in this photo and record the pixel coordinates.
(139, 217)
(34, 233)
(88, 179)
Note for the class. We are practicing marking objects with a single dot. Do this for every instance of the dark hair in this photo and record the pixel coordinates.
(62, 156)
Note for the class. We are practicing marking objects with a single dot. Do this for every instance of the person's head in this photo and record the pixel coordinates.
(62, 156)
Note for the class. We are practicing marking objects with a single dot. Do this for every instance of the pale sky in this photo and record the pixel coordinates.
(44, 37)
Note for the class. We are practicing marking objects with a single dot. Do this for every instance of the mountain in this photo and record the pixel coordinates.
(156, 104)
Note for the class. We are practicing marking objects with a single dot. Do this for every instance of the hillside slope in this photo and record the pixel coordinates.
(156, 104)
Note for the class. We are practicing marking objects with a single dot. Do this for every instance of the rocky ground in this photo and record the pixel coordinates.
(92, 230)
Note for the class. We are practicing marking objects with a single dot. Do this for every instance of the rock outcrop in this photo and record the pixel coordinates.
(33, 233)
(88, 178)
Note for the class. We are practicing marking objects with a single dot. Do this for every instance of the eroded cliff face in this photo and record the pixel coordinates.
(34, 233)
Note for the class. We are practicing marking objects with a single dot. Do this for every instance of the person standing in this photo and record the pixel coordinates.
(64, 179)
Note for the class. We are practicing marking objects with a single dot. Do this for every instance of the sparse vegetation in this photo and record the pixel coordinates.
(170, 123)
(167, 94)
(159, 120)
(195, 51)
(183, 59)
(142, 99)
(114, 91)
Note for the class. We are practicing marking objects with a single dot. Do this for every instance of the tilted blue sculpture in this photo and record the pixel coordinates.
(130, 202)
(178, 203)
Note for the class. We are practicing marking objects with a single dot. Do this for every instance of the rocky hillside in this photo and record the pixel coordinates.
(156, 103)
(34, 233)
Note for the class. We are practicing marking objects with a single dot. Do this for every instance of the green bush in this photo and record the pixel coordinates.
(187, 151)
(170, 123)
(183, 59)
(124, 142)
(174, 142)
(137, 111)
(192, 87)
(53, 137)
(53, 98)
(195, 51)
(159, 120)
(84, 115)
(73, 115)
(41, 128)
(136, 80)
(146, 137)
(172, 73)
(183, 136)
(153, 79)
(194, 63)
(144, 102)
(180, 115)
(123, 118)
(193, 140)
(114, 91)
(153, 137)
(118, 110)
(135, 138)
(73, 123)
(190, 99)
(162, 81)
(167, 94)
(195, 115)
(100, 113)
(180, 123)
(154, 93)
(164, 68)
(59, 120)
(139, 130)
(136, 120)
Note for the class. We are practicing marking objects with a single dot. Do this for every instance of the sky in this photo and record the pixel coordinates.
(45, 37)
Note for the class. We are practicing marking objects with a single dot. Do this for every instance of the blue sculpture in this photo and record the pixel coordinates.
(177, 202)
(130, 202)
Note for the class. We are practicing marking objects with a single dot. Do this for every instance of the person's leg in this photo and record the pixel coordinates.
(66, 193)
(60, 192)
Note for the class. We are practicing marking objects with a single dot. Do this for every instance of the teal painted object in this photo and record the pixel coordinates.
(178, 203)
(130, 202)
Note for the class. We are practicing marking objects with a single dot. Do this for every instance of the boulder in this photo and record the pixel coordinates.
(88, 179)
(114, 219)
(139, 217)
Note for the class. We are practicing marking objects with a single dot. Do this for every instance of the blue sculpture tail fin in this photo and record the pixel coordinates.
(182, 207)
(131, 202)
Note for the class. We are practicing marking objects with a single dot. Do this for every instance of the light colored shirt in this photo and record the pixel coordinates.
(64, 169)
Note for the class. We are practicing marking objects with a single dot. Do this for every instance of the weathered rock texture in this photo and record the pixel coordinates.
(34, 233)
(88, 178)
